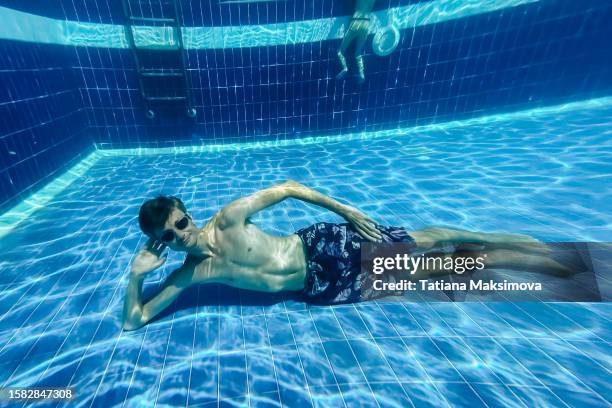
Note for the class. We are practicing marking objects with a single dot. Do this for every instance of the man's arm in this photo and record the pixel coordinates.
(239, 210)
(132, 305)
(149, 258)
(135, 314)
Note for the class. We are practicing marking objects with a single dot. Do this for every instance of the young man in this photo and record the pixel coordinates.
(321, 261)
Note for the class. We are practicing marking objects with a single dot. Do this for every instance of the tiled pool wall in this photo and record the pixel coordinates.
(539, 53)
(546, 52)
(43, 123)
(213, 12)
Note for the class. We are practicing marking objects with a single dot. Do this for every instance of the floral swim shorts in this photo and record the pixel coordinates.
(333, 263)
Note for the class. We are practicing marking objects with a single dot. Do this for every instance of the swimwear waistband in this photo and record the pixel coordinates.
(360, 18)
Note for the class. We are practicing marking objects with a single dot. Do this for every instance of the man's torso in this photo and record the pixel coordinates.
(245, 257)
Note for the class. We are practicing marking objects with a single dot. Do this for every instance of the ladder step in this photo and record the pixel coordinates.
(153, 19)
(160, 73)
(165, 98)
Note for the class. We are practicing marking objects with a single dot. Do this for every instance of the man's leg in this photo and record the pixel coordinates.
(437, 236)
(520, 261)
(497, 258)
(512, 251)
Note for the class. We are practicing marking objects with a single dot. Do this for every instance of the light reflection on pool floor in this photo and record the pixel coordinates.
(64, 276)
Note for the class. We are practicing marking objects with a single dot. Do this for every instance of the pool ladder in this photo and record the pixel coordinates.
(166, 64)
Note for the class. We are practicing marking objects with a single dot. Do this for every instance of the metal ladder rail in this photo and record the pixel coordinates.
(152, 72)
(190, 111)
(187, 81)
(129, 33)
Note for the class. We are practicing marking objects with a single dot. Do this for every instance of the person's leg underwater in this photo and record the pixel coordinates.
(359, 44)
(512, 251)
(429, 237)
(357, 32)
(346, 42)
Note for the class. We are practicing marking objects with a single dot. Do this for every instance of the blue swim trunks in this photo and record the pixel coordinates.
(333, 263)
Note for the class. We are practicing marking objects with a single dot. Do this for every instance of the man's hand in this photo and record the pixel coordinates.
(148, 258)
(363, 224)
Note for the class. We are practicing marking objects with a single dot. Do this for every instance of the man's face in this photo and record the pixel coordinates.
(179, 232)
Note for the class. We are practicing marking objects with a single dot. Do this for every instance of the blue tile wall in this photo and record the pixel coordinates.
(198, 12)
(537, 54)
(541, 53)
(43, 122)
(95, 11)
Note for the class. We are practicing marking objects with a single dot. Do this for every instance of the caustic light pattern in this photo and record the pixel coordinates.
(65, 270)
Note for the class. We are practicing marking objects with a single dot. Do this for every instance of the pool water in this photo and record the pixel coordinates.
(545, 173)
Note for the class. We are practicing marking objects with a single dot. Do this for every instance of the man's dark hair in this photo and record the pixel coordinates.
(154, 213)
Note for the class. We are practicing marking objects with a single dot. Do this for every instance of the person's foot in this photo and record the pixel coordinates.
(361, 77)
(342, 73)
